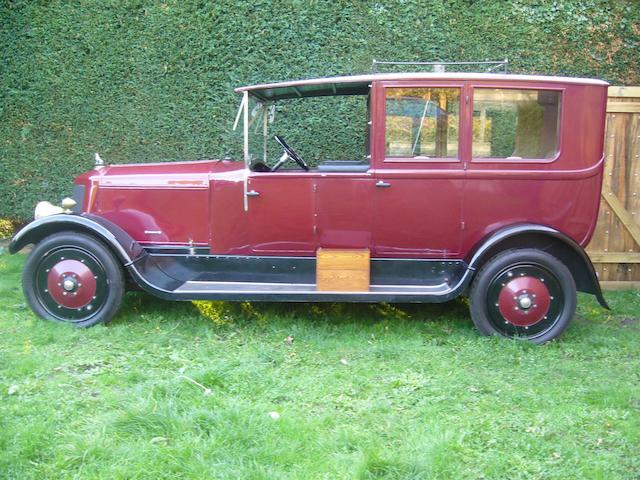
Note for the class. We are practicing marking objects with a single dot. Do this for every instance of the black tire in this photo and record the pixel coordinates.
(523, 293)
(73, 278)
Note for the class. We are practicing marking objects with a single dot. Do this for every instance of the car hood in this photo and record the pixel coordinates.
(166, 173)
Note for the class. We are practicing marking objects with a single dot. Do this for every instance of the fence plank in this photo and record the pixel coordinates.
(615, 246)
(623, 215)
(623, 107)
(615, 257)
(621, 91)
(616, 285)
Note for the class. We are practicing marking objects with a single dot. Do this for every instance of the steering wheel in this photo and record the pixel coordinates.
(288, 153)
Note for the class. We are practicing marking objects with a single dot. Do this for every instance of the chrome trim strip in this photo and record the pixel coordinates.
(291, 288)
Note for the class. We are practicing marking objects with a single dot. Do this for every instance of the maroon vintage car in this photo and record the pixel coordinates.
(484, 185)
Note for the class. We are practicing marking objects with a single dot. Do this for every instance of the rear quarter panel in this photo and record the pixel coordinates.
(563, 193)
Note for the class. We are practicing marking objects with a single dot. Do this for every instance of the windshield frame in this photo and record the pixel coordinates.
(264, 115)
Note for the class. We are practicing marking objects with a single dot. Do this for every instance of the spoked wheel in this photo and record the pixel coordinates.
(73, 278)
(526, 294)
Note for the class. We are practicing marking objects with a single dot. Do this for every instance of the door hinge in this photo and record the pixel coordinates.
(461, 225)
(315, 187)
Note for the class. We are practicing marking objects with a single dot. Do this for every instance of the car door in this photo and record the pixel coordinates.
(344, 210)
(281, 213)
(419, 172)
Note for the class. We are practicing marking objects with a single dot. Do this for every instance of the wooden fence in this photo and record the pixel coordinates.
(615, 247)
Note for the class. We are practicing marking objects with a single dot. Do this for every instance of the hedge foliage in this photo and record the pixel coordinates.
(152, 81)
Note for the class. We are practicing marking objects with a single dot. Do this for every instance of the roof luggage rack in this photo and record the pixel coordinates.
(441, 66)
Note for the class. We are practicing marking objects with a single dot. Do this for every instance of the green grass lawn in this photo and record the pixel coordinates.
(361, 392)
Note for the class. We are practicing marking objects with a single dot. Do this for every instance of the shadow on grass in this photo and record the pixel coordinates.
(140, 306)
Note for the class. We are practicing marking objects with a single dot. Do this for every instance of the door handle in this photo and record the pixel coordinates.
(382, 184)
(252, 193)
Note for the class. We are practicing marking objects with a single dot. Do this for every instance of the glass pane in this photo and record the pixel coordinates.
(422, 122)
(515, 124)
(321, 129)
(256, 128)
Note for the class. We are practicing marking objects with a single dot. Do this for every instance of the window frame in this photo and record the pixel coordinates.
(504, 160)
(458, 159)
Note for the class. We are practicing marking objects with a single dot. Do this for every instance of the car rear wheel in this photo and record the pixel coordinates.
(73, 278)
(526, 294)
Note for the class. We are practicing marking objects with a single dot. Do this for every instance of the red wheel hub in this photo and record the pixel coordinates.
(71, 283)
(524, 301)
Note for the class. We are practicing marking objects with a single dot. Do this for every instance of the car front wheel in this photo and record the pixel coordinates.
(523, 293)
(73, 278)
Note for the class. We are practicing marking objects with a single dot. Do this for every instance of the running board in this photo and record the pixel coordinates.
(194, 290)
(253, 279)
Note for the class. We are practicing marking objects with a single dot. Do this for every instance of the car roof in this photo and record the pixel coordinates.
(360, 84)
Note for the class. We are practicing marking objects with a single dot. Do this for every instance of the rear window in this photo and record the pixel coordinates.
(515, 124)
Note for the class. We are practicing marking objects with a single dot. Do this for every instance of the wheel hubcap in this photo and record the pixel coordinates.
(71, 284)
(524, 300)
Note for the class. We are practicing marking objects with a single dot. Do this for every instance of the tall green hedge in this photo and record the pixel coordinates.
(152, 81)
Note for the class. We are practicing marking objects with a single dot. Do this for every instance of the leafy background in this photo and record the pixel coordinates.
(153, 81)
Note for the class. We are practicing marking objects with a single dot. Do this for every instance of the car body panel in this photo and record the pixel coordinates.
(435, 209)
(281, 219)
(344, 210)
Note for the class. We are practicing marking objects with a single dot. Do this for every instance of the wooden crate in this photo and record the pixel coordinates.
(339, 270)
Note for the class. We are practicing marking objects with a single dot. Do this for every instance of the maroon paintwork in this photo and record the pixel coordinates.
(84, 283)
(439, 209)
(513, 291)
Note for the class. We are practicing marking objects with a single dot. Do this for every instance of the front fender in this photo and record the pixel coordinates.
(120, 242)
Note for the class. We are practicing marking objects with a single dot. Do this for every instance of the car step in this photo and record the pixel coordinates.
(293, 289)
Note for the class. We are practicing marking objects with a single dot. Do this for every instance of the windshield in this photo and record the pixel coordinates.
(259, 117)
(321, 129)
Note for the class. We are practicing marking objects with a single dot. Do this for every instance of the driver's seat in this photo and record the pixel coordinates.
(259, 166)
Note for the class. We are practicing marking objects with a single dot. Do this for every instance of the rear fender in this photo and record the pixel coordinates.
(544, 238)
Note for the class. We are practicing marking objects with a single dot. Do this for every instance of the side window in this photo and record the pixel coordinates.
(422, 123)
(515, 124)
